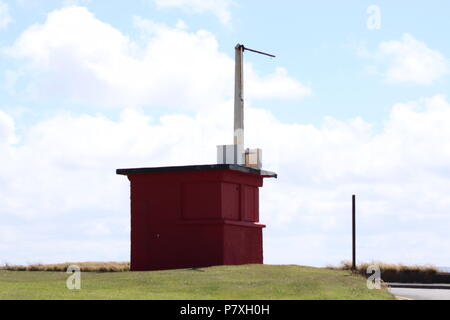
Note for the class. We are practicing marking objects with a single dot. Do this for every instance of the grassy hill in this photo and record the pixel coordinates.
(223, 282)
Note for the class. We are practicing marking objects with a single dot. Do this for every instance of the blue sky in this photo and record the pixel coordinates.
(90, 86)
(314, 42)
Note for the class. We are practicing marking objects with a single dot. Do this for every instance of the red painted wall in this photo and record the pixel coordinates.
(195, 218)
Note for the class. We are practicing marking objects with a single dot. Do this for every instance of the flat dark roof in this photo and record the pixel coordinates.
(198, 167)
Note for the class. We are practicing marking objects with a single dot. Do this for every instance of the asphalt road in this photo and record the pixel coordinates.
(417, 293)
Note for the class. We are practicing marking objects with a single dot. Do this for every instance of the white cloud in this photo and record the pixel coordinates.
(278, 85)
(5, 17)
(58, 185)
(7, 129)
(74, 55)
(220, 8)
(411, 61)
(63, 171)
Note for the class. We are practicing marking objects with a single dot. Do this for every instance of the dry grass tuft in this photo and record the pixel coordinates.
(84, 267)
(400, 272)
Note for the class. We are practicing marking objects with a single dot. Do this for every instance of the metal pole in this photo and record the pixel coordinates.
(239, 103)
(239, 157)
(260, 52)
(353, 233)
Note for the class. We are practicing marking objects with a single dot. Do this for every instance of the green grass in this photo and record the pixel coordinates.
(223, 282)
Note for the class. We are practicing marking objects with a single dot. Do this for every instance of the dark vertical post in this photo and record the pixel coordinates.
(353, 233)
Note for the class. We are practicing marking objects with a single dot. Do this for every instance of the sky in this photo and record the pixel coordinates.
(355, 102)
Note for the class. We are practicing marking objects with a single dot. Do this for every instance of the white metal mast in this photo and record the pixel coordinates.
(239, 103)
(235, 153)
